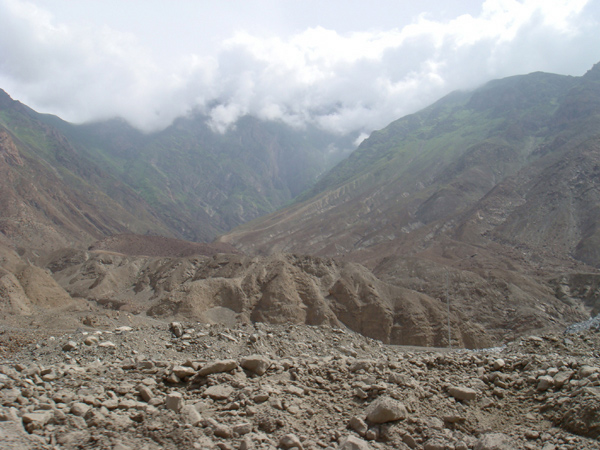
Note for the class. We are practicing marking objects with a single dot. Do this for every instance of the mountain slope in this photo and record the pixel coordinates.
(202, 182)
(484, 199)
(51, 196)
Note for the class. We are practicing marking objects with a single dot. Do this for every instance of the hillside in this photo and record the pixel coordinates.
(486, 197)
(202, 183)
(51, 196)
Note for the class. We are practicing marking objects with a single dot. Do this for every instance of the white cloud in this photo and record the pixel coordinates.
(341, 81)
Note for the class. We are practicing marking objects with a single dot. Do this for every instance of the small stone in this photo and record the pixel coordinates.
(190, 415)
(218, 367)
(359, 425)
(174, 401)
(220, 430)
(409, 441)
(145, 393)
(532, 434)
(219, 392)
(386, 409)
(70, 345)
(361, 364)
(586, 371)
(498, 364)
(242, 428)
(494, 441)
(545, 382)
(462, 393)
(40, 418)
(79, 409)
(183, 372)
(260, 397)
(256, 364)
(371, 434)
(91, 340)
(107, 344)
(352, 442)
(290, 440)
(176, 328)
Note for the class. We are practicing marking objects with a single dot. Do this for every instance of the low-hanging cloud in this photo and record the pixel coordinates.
(341, 82)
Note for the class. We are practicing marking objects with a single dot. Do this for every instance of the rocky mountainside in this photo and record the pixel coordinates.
(487, 198)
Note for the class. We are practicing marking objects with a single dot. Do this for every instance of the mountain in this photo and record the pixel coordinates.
(202, 183)
(186, 181)
(51, 196)
(486, 198)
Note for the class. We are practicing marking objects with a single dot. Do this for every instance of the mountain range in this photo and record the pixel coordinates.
(466, 223)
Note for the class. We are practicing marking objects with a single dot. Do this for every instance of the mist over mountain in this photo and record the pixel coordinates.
(190, 181)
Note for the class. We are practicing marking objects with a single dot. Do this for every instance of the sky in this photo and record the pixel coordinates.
(343, 65)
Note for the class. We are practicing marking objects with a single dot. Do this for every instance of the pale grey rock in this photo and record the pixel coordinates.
(352, 442)
(145, 393)
(183, 372)
(107, 344)
(79, 409)
(386, 409)
(218, 367)
(40, 418)
(176, 328)
(190, 415)
(219, 392)
(174, 401)
(545, 382)
(562, 377)
(359, 425)
(256, 364)
(361, 364)
(586, 371)
(70, 345)
(495, 441)
(242, 428)
(498, 364)
(288, 441)
(462, 393)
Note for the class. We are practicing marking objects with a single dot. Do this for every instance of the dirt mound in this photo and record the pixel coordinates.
(138, 245)
(275, 289)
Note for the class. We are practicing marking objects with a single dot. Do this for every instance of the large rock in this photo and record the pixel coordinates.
(386, 409)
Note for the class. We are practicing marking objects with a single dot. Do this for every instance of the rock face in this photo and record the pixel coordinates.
(325, 388)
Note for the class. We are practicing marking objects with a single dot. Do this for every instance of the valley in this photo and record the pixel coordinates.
(436, 266)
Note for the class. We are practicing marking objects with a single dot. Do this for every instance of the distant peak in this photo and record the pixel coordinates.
(593, 73)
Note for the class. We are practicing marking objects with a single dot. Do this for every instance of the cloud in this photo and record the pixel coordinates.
(342, 82)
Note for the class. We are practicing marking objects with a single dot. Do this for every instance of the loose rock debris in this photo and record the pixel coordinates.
(173, 386)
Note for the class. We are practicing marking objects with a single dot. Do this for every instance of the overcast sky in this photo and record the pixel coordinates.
(345, 65)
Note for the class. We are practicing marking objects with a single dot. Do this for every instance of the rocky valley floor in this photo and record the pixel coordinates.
(154, 385)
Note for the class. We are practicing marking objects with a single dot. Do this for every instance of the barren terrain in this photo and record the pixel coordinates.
(145, 384)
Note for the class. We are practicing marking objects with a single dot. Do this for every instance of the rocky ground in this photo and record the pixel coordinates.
(156, 385)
